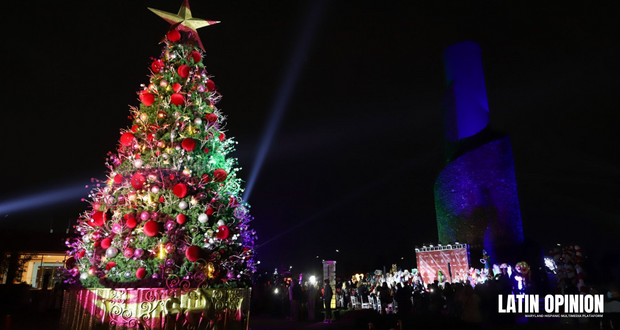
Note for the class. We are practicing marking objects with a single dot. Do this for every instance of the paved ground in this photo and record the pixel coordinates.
(358, 319)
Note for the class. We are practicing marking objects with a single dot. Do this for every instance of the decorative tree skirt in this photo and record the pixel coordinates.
(155, 308)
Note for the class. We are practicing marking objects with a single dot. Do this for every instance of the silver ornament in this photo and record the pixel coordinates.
(183, 205)
(221, 223)
(203, 218)
(138, 163)
(84, 276)
(111, 252)
(127, 274)
(198, 121)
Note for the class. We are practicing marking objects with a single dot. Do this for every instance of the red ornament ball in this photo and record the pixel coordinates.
(106, 243)
(210, 85)
(188, 144)
(97, 219)
(176, 87)
(192, 253)
(223, 232)
(118, 179)
(174, 35)
(195, 55)
(177, 99)
(180, 190)
(183, 71)
(135, 128)
(131, 223)
(219, 175)
(141, 273)
(181, 218)
(70, 263)
(110, 265)
(205, 178)
(209, 210)
(211, 118)
(92, 271)
(137, 181)
(157, 66)
(147, 98)
(81, 254)
(151, 228)
(127, 139)
(222, 137)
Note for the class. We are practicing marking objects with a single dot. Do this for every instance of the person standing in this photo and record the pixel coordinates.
(294, 297)
(311, 301)
(327, 301)
(386, 297)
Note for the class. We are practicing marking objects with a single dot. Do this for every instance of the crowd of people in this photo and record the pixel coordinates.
(470, 302)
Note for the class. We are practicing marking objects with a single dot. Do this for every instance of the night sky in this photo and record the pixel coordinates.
(354, 160)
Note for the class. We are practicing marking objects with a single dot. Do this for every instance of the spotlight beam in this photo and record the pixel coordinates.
(285, 91)
(42, 199)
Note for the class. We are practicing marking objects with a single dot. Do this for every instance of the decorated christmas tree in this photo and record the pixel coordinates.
(170, 212)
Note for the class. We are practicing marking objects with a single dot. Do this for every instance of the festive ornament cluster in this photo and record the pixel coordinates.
(172, 196)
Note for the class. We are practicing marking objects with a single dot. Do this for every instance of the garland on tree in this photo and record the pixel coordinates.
(170, 211)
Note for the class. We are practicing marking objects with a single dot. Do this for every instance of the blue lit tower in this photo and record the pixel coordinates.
(476, 198)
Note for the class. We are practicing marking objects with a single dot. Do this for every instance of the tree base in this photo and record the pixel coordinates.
(155, 308)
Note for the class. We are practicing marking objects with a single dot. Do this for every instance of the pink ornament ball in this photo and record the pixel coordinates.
(117, 228)
(145, 215)
(138, 253)
(128, 253)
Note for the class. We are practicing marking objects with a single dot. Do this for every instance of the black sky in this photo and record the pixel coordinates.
(353, 163)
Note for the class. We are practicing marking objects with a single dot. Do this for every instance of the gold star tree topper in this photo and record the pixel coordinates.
(184, 21)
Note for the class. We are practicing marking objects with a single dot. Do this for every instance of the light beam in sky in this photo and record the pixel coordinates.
(285, 91)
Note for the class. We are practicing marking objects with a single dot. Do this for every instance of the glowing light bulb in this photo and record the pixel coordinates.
(162, 251)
